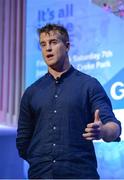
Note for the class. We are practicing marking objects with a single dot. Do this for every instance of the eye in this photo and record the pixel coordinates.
(43, 44)
(54, 41)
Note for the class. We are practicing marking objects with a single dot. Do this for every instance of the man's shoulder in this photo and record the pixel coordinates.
(84, 76)
(35, 85)
(38, 82)
(87, 80)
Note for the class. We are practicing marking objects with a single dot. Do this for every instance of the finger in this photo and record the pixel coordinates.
(88, 130)
(93, 125)
(91, 136)
(88, 137)
(96, 116)
(92, 130)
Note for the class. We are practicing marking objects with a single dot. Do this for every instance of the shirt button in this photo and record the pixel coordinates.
(56, 95)
(57, 82)
(54, 144)
(54, 127)
(55, 111)
(54, 161)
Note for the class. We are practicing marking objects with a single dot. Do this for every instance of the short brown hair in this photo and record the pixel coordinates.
(55, 27)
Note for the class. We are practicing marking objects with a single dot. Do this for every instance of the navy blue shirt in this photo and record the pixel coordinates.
(53, 116)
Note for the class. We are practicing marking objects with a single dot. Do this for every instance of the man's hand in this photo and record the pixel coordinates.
(93, 131)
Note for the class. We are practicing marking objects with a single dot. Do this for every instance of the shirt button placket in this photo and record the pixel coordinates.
(54, 126)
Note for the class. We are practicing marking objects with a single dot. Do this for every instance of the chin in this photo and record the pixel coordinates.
(51, 63)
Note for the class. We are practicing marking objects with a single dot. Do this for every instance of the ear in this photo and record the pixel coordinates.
(67, 45)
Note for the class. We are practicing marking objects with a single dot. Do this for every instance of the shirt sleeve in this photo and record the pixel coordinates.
(100, 100)
(25, 126)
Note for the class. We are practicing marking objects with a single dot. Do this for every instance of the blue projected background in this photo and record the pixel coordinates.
(97, 48)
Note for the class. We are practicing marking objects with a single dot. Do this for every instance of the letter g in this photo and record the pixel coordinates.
(118, 86)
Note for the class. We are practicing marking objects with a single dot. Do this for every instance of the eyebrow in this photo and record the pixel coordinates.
(49, 40)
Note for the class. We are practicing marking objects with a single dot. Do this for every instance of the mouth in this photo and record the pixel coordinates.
(49, 56)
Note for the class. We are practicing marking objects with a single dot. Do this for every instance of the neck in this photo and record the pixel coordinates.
(57, 72)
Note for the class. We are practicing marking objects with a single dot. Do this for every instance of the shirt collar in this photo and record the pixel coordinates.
(65, 74)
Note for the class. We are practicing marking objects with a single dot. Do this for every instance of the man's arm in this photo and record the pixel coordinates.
(25, 127)
(110, 131)
(97, 130)
(104, 124)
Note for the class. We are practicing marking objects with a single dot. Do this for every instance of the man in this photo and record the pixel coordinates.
(61, 114)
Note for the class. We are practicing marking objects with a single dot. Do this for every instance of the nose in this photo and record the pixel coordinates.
(48, 47)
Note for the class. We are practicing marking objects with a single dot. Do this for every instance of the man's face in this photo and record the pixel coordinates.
(54, 50)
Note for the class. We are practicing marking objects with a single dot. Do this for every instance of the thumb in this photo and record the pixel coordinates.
(96, 116)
